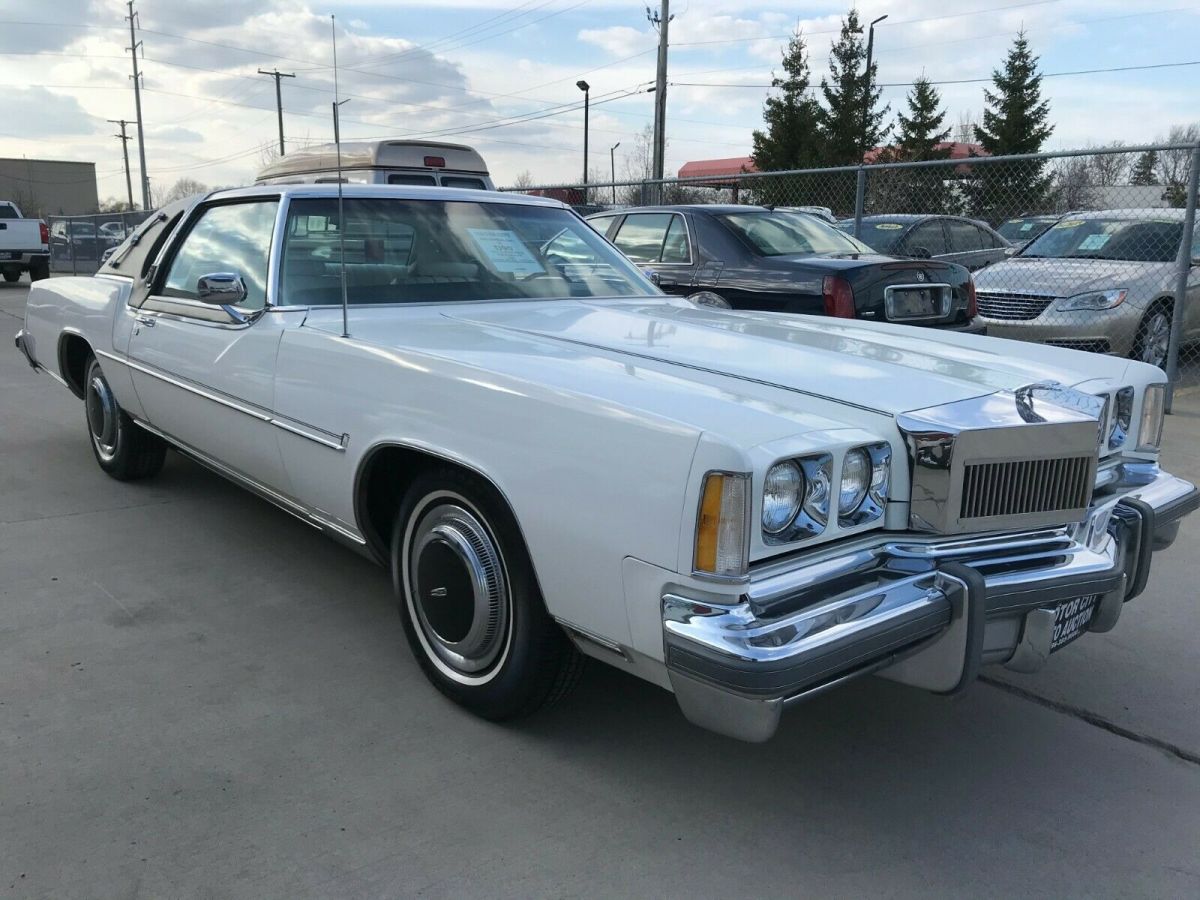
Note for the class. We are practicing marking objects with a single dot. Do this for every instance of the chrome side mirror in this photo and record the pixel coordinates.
(221, 288)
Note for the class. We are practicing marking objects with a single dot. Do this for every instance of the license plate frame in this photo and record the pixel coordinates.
(1072, 618)
(916, 302)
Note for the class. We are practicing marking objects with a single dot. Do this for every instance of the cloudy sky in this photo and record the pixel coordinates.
(501, 75)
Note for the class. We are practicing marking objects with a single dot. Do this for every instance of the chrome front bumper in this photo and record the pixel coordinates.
(925, 611)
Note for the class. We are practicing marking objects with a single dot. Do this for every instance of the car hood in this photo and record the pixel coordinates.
(1064, 277)
(874, 366)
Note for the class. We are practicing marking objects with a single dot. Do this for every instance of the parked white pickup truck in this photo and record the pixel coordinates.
(24, 245)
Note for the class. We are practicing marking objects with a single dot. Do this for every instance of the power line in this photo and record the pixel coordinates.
(1171, 65)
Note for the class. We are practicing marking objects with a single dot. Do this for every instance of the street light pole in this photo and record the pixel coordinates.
(867, 93)
(612, 160)
(586, 88)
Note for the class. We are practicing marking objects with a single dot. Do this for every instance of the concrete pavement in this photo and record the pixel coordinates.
(202, 697)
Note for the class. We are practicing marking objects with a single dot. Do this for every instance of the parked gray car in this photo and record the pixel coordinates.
(1101, 281)
(951, 239)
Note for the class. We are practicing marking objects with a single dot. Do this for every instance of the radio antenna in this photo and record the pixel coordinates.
(337, 143)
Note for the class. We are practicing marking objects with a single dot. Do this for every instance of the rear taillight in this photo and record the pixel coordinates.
(972, 302)
(838, 297)
(435, 162)
(44, 230)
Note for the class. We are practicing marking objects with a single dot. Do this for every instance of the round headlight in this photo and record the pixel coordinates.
(782, 492)
(816, 494)
(856, 478)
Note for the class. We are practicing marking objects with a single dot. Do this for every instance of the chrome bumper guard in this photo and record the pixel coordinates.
(924, 611)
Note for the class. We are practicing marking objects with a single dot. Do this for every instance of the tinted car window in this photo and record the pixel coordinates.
(675, 247)
(880, 236)
(232, 238)
(1021, 230)
(927, 236)
(601, 223)
(7, 211)
(641, 236)
(459, 181)
(964, 237)
(1129, 239)
(395, 178)
(791, 234)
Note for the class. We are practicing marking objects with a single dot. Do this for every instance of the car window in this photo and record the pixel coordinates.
(428, 251)
(396, 178)
(927, 236)
(459, 181)
(229, 238)
(990, 239)
(601, 223)
(8, 211)
(675, 247)
(791, 234)
(880, 236)
(1144, 240)
(964, 237)
(641, 236)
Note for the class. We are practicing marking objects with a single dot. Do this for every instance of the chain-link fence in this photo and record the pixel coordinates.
(1081, 249)
(78, 243)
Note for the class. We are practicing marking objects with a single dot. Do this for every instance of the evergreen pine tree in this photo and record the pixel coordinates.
(918, 134)
(1016, 120)
(1143, 170)
(791, 139)
(849, 91)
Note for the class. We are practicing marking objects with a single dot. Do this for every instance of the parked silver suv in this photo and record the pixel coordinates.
(1102, 281)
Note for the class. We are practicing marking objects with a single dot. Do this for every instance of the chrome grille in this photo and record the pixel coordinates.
(1023, 487)
(994, 305)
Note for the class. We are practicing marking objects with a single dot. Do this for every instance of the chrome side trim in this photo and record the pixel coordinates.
(317, 435)
(299, 510)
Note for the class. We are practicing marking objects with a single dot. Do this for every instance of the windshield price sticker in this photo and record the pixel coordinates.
(1094, 241)
(505, 251)
(1070, 223)
(888, 226)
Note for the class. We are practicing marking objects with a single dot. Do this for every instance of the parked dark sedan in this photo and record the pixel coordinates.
(750, 257)
(947, 238)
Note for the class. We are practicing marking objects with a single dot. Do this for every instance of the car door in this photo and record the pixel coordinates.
(660, 242)
(203, 370)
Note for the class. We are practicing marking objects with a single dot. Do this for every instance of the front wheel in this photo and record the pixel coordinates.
(124, 450)
(1154, 337)
(470, 603)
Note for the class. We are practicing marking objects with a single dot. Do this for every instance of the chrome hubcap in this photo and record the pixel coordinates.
(103, 417)
(458, 588)
(1157, 341)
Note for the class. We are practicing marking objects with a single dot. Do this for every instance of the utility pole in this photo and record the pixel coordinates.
(660, 20)
(587, 97)
(867, 99)
(124, 138)
(137, 102)
(276, 74)
(612, 161)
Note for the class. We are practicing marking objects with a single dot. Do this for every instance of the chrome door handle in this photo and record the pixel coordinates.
(148, 321)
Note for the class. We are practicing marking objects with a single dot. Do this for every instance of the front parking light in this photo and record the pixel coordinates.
(1150, 425)
(722, 538)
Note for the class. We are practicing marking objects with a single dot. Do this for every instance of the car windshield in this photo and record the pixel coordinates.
(1020, 230)
(791, 234)
(1144, 240)
(879, 236)
(411, 251)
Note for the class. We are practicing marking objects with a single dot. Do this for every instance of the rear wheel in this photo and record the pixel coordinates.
(124, 450)
(11, 275)
(40, 270)
(1154, 336)
(470, 603)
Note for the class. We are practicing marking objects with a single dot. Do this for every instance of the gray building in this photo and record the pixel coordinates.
(49, 187)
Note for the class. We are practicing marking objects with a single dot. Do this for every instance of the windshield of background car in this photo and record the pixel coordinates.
(1020, 230)
(412, 251)
(791, 234)
(1144, 240)
(881, 237)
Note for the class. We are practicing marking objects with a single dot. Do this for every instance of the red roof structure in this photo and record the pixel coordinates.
(716, 168)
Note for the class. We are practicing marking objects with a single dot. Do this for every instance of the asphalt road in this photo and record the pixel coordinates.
(201, 697)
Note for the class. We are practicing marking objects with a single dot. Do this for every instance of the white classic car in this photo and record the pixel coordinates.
(553, 457)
